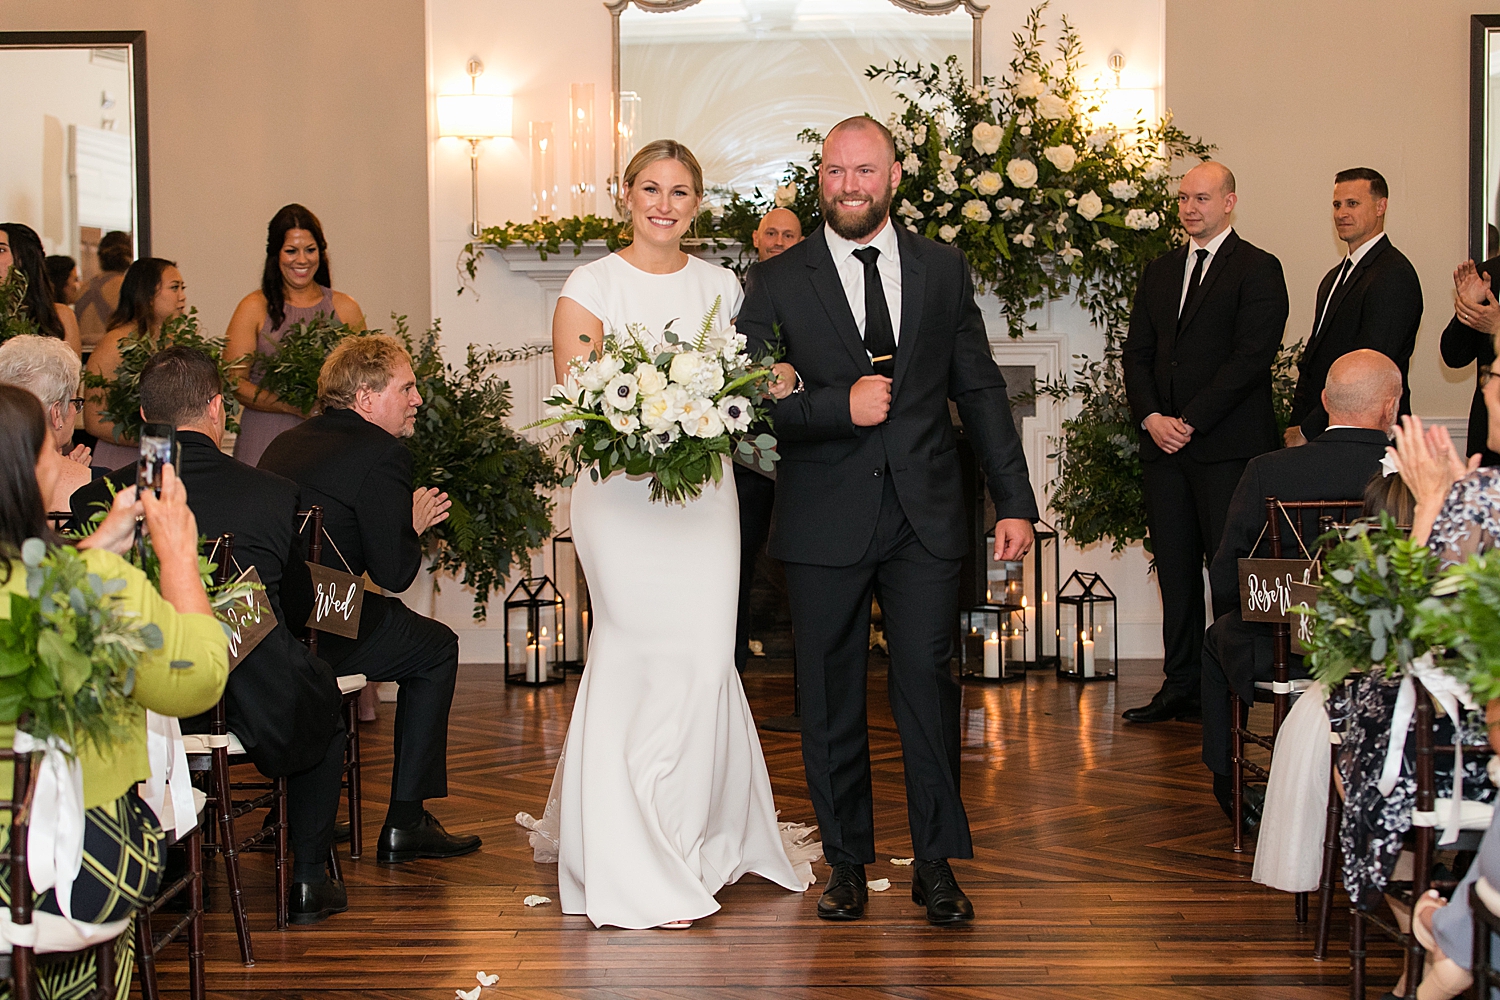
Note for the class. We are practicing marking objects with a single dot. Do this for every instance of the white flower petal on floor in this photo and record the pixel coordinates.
(902, 862)
(536, 900)
(468, 994)
(486, 980)
(879, 884)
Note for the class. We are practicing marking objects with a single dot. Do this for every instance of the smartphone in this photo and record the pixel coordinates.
(158, 450)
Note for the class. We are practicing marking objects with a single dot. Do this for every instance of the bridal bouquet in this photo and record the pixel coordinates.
(674, 412)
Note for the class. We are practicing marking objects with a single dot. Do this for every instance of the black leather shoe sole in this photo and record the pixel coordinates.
(840, 914)
(940, 919)
(399, 857)
(316, 916)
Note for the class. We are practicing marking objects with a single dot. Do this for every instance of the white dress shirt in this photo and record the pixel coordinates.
(1346, 269)
(1212, 246)
(852, 273)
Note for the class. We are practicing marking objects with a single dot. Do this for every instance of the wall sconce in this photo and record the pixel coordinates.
(581, 132)
(1122, 107)
(543, 171)
(475, 117)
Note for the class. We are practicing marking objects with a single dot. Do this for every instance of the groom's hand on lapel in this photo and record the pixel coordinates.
(1012, 538)
(870, 401)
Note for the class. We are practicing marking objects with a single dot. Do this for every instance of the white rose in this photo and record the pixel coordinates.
(1022, 173)
(1053, 107)
(1123, 190)
(685, 366)
(625, 423)
(649, 380)
(987, 138)
(1090, 205)
(988, 183)
(735, 412)
(1063, 157)
(947, 233)
(1025, 238)
(620, 393)
(786, 195)
(976, 210)
(1030, 85)
(946, 182)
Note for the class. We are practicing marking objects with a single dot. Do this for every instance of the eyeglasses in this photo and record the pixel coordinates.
(77, 402)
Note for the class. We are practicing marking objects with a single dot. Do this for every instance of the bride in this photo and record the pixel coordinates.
(661, 796)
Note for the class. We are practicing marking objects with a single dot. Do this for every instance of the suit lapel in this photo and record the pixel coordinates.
(1342, 292)
(1216, 266)
(1168, 296)
(913, 292)
(830, 291)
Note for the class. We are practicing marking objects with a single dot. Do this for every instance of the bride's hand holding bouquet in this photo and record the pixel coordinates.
(673, 412)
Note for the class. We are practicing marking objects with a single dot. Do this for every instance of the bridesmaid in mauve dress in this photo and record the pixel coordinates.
(152, 293)
(295, 286)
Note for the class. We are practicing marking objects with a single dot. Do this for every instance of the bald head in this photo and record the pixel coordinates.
(1214, 175)
(1205, 199)
(1363, 390)
(863, 124)
(779, 228)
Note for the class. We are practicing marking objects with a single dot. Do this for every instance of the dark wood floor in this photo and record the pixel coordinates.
(1102, 869)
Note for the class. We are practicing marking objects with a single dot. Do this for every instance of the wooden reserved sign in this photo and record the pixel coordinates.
(337, 598)
(1266, 587)
(247, 620)
(1304, 595)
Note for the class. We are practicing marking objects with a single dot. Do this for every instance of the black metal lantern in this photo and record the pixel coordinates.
(1031, 584)
(567, 571)
(991, 641)
(1088, 629)
(534, 615)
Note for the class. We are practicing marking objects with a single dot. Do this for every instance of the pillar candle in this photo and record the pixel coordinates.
(993, 656)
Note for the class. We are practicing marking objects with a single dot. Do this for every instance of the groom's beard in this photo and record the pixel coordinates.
(857, 223)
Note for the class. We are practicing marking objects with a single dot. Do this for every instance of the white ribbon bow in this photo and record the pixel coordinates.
(1448, 692)
(169, 790)
(54, 843)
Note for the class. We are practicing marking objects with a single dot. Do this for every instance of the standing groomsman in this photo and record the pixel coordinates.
(1372, 299)
(1207, 320)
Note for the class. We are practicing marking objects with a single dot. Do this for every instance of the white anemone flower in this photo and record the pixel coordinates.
(625, 423)
(735, 412)
(621, 392)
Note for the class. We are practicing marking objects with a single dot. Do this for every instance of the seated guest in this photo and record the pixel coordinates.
(48, 370)
(21, 248)
(63, 273)
(1469, 338)
(152, 293)
(1361, 396)
(123, 845)
(350, 461)
(101, 293)
(779, 229)
(282, 701)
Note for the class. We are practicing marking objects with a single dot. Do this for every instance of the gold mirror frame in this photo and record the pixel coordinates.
(617, 7)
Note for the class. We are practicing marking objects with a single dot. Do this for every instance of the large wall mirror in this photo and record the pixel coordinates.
(1484, 136)
(74, 125)
(736, 80)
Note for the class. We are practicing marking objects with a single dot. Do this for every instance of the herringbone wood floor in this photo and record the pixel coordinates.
(1102, 870)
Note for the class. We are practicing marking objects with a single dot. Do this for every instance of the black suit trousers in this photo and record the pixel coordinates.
(1187, 503)
(1236, 654)
(757, 495)
(918, 595)
(422, 655)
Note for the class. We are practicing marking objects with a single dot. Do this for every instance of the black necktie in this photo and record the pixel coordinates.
(1343, 273)
(880, 336)
(1195, 281)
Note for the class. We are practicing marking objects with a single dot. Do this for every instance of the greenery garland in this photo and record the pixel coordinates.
(496, 479)
(1463, 617)
(14, 322)
(68, 653)
(120, 394)
(291, 372)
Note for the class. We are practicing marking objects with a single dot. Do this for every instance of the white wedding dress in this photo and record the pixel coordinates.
(661, 795)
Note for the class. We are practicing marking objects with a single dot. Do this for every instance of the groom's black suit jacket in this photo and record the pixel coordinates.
(830, 478)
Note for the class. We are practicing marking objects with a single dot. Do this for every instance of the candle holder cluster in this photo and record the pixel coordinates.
(1021, 594)
(535, 638)
(1089, 629)
(573, 588)
(991, 640)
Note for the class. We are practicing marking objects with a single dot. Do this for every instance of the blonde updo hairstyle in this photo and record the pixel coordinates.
(652, 152)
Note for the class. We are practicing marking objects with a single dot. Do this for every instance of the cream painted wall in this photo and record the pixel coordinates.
(1293, 92)
(257, 103)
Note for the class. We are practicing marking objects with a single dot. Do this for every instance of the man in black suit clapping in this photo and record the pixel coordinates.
(350, 461)
(281, 701)
(1372, 299)
(1207, 321)
(883, 330)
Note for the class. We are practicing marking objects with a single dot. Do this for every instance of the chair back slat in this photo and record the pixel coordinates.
(23, 790)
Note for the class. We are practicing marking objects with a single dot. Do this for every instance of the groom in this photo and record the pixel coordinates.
(882, 329)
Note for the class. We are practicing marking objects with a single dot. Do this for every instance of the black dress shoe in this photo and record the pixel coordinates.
(427, 839)
(933, 886)
(1165, 707)
(846, 895)
(311, 904)
(1253, 801)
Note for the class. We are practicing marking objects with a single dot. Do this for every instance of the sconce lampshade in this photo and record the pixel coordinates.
(474, 116)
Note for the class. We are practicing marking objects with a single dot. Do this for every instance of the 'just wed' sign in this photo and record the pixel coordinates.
(337, 598)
